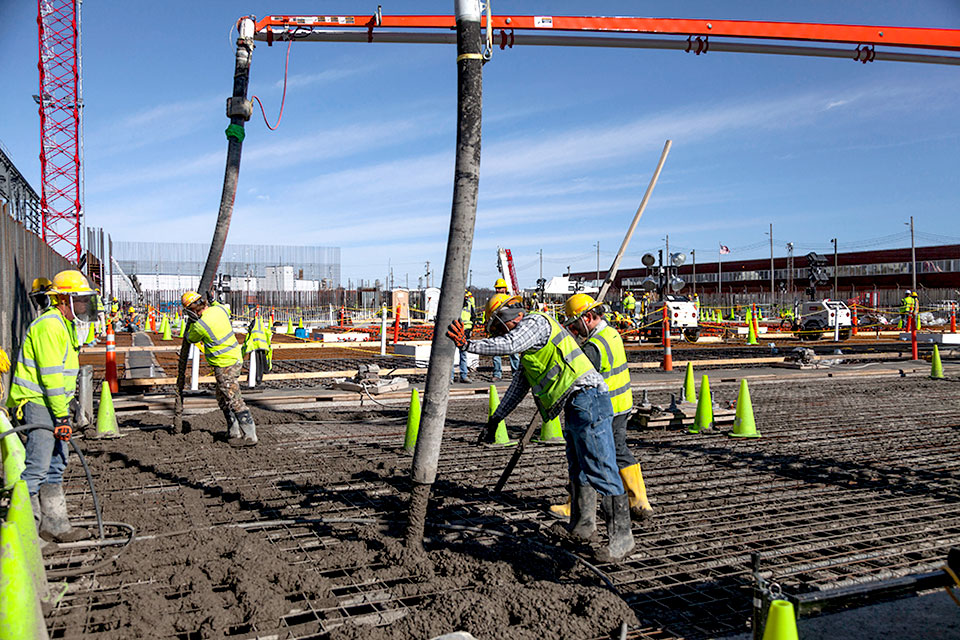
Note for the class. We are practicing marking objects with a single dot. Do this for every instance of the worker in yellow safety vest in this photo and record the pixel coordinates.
(906, 309)
(500, 286)
(467, 313)
(915, 308)
(43, 392)
(629, 304)
(561, 379)
(257, 344)
(40, 293)
(603, 345)
(210, 325)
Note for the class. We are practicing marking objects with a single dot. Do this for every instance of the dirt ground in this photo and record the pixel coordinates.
(301, 536)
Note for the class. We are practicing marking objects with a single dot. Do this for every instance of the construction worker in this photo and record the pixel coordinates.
(915, 308)
(561, 378)
(629, 305)
(132, 320)
(257, 344)
(500, 286)
(906, 309)
(604, 347)
(210, 324)
(40, 293)
(467, 313)
(42, 393)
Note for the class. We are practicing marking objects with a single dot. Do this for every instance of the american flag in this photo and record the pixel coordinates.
(724, 249)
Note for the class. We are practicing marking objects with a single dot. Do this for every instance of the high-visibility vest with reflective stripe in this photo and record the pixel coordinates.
(214, 330)
(552, 369)
(258, 338)
(48, 364)
(906, 304)
(613, 368)
(466, 313)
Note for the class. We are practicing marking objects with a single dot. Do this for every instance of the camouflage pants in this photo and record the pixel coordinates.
(228, 388)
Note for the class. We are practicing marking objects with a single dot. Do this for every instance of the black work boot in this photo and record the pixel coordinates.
(248, 431)
(583, 512)
(616, 512)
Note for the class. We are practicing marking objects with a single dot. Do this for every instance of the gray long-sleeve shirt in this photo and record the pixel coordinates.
(531, 333)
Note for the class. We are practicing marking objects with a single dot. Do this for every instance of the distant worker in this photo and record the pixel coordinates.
(629, 305)
(561, 379)
(132, 321)
(40, 294)
(42, 392)
(604, 348)
(210, 324)
(257, 344)
(915, 308)
(500, 286)
(467, 314)
(906, 309)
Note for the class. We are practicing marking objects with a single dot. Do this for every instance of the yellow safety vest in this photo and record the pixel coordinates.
(48, 364)
(215, 331)
(466, 313)
(552, 369)
(613, 368)
(258, 337)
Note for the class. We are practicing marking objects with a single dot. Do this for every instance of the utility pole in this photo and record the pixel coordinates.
(598, 264)
(913, 257)
(471, 278)
(693, 256)
(773, 293)
(541, 264)
(790, 269)
(835, 274)
(463, 214)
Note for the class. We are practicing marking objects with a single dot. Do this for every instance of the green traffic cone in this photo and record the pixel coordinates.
(20, 513)
(751, 332)
(289, 326)
(300, 323)
(413, 422)
(733, 314)
(689, 389)
(106, 416)
(704, 417)
(781, 622)
(500, 437)
(166, 330)
(551, 432)
(20, 612)
(744, 426)
(91, 335)
(936, 367)
(12, 453)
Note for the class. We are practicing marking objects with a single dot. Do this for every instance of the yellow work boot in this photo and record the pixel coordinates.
(561, 510)
(640, 507)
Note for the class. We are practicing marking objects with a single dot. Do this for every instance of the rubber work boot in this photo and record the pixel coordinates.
(561, 511)
(46, 547)
(233, 425)
(248, 431)
(632, 478)
(583, 512)
(616, 511)
(54, 524)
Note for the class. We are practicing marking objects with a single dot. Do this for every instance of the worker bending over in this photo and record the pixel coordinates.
(561, 379)
(603, 346)
(210, 324)
(500, 286)
(42, 392)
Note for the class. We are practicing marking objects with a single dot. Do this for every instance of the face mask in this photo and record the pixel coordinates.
(83, 307)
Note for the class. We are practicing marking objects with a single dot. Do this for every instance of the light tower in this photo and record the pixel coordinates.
(60, 101)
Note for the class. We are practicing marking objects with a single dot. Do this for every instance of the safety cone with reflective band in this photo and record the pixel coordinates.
(704, 417)
(12, 453)
(413, 422)
(936, 367)
(744, 425)
(500, 437)
(20, 614)
(106, 417)
(20, 513)
(689, 388)
(781, 622)
(551, 432)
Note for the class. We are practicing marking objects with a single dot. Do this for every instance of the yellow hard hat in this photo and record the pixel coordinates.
(577, 305)
(500, 284)
(501, 300)
(70, 281)
(41, 285)
(189, 298)
(467, 294)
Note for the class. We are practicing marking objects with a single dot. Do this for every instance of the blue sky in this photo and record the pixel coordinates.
(363, 158)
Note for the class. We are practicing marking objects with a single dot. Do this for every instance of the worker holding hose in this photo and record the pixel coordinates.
(604, 347)
(210, 324)
(42, 393)
(561, 379)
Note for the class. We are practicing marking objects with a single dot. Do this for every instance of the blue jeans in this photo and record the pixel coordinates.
(46, 456)
(498, 365)
(591, 454)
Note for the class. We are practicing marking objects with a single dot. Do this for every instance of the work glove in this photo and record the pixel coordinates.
(456, 333)
(192, 315)
(488, 434)
(61, 429)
